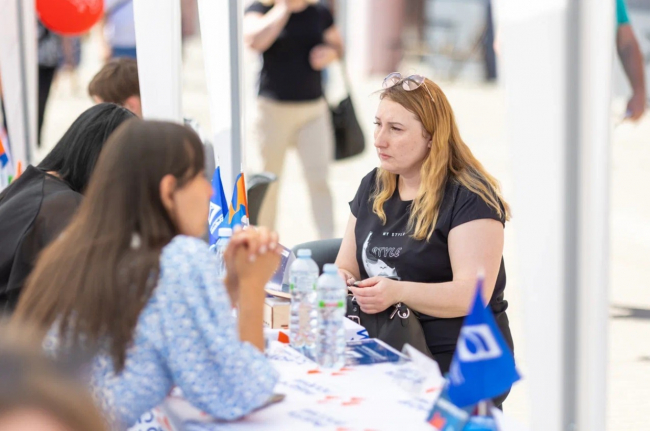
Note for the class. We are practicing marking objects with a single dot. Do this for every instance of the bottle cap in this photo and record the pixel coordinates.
(330, 268)
(224, 232)
(304, 252)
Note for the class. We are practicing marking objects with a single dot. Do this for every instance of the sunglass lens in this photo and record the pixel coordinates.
(413, 82)
(391, 80)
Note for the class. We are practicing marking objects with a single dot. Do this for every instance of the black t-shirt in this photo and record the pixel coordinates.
(33, 211)
(286, 73)
(389, 250)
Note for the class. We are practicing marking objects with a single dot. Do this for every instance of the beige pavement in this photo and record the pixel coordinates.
(481, 115)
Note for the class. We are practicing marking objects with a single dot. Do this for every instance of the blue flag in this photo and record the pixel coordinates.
(483, 365)
(218, 214)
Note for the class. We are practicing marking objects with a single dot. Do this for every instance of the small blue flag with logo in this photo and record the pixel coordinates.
(483, 366)
(218, 214)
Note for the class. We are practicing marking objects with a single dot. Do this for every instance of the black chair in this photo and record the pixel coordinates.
(323, 251)
(258, 184)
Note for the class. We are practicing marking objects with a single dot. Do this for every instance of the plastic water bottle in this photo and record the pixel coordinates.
(304, 318)
(222, 244)
(330, 344)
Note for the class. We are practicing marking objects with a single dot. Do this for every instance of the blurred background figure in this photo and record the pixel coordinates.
(117, 82)
(631, 58)
(36, 394)
(297, 40)
(37, 206)
(119, 29)
(50, 51)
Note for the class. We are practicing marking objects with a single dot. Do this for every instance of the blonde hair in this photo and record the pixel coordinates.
(272, 2)
(448, 159)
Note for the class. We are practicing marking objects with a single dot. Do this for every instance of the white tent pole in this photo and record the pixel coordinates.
(158, 40)
(534, 78)
(236, 98)
(596, 41)
(557, 58)
(18, 65)
(221, 38)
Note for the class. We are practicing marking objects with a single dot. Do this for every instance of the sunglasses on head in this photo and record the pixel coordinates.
(409, 83)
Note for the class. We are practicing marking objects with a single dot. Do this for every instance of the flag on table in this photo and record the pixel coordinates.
(483, 366)
(5, 166)
(239, 205)
(4, 157)
(218, 214)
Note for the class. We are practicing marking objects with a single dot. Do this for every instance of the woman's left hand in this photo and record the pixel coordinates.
(321, 56)
(376, 294)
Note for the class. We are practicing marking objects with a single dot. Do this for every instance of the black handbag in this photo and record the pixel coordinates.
(395, 326)
(349, 137)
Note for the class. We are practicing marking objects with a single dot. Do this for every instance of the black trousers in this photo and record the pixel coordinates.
(45, 78)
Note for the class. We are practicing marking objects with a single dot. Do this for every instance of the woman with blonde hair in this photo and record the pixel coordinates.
(427, 220)
(297, 40)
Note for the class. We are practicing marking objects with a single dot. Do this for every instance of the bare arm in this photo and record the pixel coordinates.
(474, 247)
(630, 54)
(332, 48)
(346, 260)
(261, 30)
(332, 37)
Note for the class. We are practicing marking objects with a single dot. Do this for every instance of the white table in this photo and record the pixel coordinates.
(388, 396)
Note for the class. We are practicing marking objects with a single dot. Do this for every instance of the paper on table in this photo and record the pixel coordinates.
(354, 331)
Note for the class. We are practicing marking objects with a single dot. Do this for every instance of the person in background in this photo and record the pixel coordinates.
(54, 52)
(130, 283)
(37, 206)
(118, 82)
(430, 218)
(50, 50)
(119, 29)
(38, 395)
(631, 58)
(297, 40)
(489, 55)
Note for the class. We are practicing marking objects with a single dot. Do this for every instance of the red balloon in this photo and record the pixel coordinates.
(69, 17)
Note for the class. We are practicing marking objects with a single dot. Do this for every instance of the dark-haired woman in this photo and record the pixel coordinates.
(130, 280)
(36, 207)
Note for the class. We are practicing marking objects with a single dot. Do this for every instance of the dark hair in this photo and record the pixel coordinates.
(74, 156)
(31, 381)
(116, 81)
(93, 281)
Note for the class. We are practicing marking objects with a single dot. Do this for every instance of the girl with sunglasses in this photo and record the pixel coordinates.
(130, 285)
(426, 221)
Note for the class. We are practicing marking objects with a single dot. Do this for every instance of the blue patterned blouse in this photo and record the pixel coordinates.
(186, 336)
